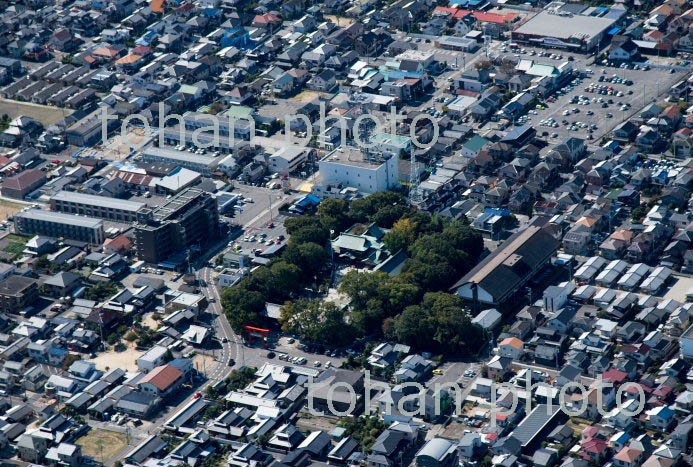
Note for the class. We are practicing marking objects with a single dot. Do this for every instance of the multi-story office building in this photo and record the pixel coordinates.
(351, 167)
(118, 210)
(57, 224)
(190, 218)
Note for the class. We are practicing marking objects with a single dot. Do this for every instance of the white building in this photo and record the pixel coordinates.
(288, 159)
(369, 173)
(686, 343)
(152, 358)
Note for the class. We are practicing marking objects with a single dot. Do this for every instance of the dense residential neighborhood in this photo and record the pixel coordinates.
(374, 233)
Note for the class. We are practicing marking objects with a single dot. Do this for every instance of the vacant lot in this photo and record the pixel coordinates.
(681, 286)
(341, 21)
(308, 96)
(127, 359)
(9, 209)
(102, 445)
(43, 113)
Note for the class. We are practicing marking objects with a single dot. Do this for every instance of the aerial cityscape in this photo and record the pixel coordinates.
(353, 233)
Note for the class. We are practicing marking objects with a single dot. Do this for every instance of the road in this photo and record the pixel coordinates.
(232, 349)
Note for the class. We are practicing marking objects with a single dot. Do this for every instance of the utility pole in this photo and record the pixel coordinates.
(270, 207)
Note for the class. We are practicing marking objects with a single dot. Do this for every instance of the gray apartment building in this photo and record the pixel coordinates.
(189, 218)
(57, 224)
(113, 209)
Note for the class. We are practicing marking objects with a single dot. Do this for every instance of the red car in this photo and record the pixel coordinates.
(197, 395)
(56, 161)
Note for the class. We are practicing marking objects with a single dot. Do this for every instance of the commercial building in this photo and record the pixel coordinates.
(288, 159)
(57, 224)
(351, 167)
(17, 293)
(190, 218)
(118, 210)
(20, 185)
(502, 273)
(201, 163)
(89, 130)
(561, 29)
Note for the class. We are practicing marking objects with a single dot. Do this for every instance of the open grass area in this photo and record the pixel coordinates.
(45, 114)
(15, 248)
(100, 443)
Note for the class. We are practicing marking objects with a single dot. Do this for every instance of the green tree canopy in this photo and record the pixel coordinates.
(242, 306)
(316, 320)
(440, 323)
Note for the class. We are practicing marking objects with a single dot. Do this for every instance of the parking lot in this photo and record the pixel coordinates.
(587, 103)
(257, 213)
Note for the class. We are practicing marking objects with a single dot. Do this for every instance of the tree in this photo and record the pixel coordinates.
(362, 209)
(333, 214)
(386, 216)
(308, 234)
(238, 379)
(374, 297)
(242, 306)
(638, 213)
(466, 239)
(316, 320)
(412, 327)
(309, 257)
(483, 65)
(401, 236)
(101, 291)
(277, 282)
(294, 224)
(440, 323)
(364, 429)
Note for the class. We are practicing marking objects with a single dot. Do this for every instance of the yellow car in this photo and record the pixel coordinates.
(437, 372)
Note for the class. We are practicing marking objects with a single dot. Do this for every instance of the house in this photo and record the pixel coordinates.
(20, 185)
(473, 146)
(623, 49)
(162, 381)
(511, 347)
(628, 457)
(323, 82)
(62, 284)
(139, 404)
(660, 418)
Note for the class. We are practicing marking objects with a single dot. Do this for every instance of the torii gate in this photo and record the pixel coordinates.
(257, 332)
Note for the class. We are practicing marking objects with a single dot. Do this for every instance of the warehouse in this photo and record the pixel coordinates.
(561, 29)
